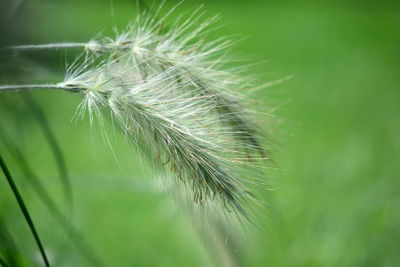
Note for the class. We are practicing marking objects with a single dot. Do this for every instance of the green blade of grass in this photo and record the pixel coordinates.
(3, 263)
(45, 197)
(24, 210)
(53, 144)
(7, 247)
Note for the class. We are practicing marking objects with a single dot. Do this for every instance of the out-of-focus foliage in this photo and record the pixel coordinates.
(335, 201)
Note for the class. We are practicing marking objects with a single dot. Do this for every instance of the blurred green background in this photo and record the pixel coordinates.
(336, 197)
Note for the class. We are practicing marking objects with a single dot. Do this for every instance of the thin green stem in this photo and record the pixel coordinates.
(24, 210)
(49, 46)
(18, 87)
(91, 46)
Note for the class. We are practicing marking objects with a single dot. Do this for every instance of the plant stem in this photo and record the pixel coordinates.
(49, 46)
(24, 210)
(19, 87)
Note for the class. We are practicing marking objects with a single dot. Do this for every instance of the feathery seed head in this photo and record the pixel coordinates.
(167, 91)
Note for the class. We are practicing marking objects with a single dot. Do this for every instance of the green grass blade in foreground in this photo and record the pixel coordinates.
(8, 248)
(24, 209)
(53, 144)
(3, 263)
(72, 233)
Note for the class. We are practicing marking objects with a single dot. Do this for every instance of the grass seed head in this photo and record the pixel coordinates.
(168, 90)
